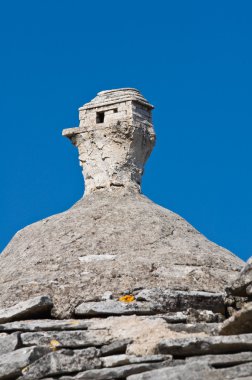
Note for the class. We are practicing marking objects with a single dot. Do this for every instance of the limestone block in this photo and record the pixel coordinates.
(115, 348)
(45, 325)
(173, 300)
(11, 364)
(111, 307)
(8, 343)
(224, 360)
(205, 345)
(119, 360)
(63, 362)
(73, 339)
(113, 373)
(29, 308)
(240, 286)
(239, 323)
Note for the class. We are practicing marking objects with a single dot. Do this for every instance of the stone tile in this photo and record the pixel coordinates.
(12, 363)
(29, 308)
(68, 339)
(8, 343)
(239, 323)
(205, 345)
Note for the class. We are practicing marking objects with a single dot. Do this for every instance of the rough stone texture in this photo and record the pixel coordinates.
(29, 308)
(110, 307)
(115, 348)
(239, 323)
(192, 371)
(114, 373)
(12, 363)
(118, 360)
(139, 244)
(208, 328)
(220, 361)
(196, 371)
(135, 328)
(242, 284)
(72, 339)
(8, 343)
(194, 315)
(174, 300)
(63, 362)
(205, 345)
(45, 325)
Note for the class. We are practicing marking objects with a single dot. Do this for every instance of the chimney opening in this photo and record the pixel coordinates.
(100, 117)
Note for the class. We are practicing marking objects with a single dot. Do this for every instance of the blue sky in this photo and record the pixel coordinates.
(191, 59)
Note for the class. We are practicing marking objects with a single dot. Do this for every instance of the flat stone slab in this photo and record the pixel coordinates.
(45, 325)
(189, 328)
(115, 348)
(176, 300)
(8, 343)
(239, 323)
(12, 363)
(29, 308)
(174, 317)
(63, 362)
(119, 360)
(205, 345)
(241, 286)
(114, 308)
(220, 361)
(197, 371)
(192, 371)
(67, 339)
(113, 373)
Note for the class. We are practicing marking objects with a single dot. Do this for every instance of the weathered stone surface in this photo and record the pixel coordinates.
(239, 323)
(8, 343)
(29, 308)
(196, 371)
(174, 300)
(119, 360)
(110, 307)
(63, 362)
(238, 371)
(220, 361)
(241, 285)
(12, 363)
(69, 339)
(192, 371)
(207, 345)
(189, 328)
(144, 332)
(174, 317)
(45, 325)
(114, 373)
(115, 348)
(208, 316)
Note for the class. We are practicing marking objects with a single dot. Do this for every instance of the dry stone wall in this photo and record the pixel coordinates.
(114, 342)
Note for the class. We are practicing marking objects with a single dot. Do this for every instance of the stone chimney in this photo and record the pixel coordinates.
(114, 139)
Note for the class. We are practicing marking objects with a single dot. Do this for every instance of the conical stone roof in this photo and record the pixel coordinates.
(114, 239)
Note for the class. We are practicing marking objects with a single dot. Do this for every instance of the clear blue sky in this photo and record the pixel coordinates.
(191, 59)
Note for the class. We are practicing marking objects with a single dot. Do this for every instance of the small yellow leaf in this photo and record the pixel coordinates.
(127, 298)
(25, 370)
(54, 344)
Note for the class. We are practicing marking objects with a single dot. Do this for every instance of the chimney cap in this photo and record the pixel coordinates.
(119, 95)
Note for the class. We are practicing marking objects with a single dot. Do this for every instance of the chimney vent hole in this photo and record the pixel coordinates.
(100, 117)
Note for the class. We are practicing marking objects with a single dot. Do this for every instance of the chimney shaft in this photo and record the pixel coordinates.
(114, 139)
